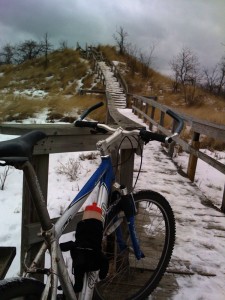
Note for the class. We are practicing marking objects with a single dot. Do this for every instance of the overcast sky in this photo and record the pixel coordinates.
(169, 24)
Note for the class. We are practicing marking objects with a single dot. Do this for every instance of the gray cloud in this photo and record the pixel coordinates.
(170, 24)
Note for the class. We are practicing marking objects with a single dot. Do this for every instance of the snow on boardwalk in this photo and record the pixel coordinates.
(197, 268)
(113, 86)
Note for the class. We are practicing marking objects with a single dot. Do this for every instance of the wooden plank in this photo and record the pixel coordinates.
(49, 129)
(215, 131)
(121, 120)
(60, 144)
(153, 103)
(29, 215)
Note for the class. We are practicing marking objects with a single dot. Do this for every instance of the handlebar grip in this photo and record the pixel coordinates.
(178, 119)
(147, 136)
(88, 124)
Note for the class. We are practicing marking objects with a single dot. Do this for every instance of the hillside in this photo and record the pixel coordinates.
(206, 106)
(55, 88)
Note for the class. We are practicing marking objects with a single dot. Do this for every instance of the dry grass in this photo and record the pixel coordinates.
(71, 107)
(63, 68)
(110, 53)
(59, 107)
(59, 80)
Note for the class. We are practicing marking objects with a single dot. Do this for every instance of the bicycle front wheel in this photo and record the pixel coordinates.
(128, 277)
(20, 288)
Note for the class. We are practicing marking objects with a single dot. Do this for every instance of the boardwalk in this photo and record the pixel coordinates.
(113, 87)
(197, 268)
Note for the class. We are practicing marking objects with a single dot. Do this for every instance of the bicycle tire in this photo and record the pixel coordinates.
(134, 279)
(21, 288)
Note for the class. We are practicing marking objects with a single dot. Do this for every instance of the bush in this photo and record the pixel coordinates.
(70, 169)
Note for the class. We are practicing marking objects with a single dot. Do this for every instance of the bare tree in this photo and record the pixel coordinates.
(7, 54)
(132, 61)
(215, 78)
(185, 67)
(211, 78)
(146, 61)
(120, 38)
(221, 81)
(63, 45)
(46, 48)
(28, 50)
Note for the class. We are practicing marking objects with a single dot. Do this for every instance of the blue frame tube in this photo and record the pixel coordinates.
(104, 174)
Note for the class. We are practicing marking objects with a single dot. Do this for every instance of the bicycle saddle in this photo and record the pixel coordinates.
(20, 147)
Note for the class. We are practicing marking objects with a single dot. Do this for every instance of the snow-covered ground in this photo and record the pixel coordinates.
(200, 229)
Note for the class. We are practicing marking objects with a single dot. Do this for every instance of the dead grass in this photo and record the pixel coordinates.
(110, 53)
(60, 107)
(64, 67)
(19, 108)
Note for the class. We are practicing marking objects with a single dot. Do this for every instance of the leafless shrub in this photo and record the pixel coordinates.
(3, 177)
(185, 67)
(70, 169)
(120, 39)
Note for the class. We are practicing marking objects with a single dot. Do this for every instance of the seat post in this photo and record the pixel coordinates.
(37, 196)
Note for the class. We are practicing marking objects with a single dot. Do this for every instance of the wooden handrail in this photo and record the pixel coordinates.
(63, 138)
(197, 126)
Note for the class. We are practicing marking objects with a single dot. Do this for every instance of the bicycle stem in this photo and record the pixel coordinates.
(103, 145)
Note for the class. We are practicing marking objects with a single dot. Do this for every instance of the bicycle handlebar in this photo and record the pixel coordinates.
(178, 119)
(145, 135)
(89, 110)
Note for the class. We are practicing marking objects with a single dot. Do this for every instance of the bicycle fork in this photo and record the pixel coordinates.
(127, 205)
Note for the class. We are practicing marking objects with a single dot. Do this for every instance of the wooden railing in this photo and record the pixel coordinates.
(60, 138)
(146, 108)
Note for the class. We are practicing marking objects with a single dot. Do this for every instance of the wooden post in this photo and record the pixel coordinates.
(40, 163)
(192, 163)
(146, 111)
(134, 104)
(152, 117)
(223, 201)
(161, 121)
(141, 108)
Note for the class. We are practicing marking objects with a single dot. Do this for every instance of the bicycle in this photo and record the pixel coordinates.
(137, 254)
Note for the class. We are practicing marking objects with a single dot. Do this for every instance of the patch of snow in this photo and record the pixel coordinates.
(49, 77)
(5, 91)
(31, 93)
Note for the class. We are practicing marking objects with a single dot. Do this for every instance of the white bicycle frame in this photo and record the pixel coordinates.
(52, 233)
